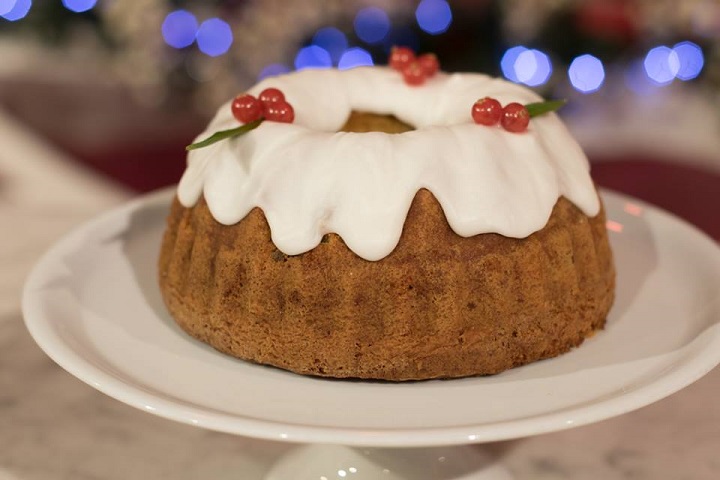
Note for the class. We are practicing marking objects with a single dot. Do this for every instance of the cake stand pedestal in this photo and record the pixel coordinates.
(334, 462)
(92, 304)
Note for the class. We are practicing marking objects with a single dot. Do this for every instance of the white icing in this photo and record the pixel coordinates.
(310, 180)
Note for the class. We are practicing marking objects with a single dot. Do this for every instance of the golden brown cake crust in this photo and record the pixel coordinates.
(439, 305)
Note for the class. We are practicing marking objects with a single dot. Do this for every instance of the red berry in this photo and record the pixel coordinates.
(271, 95)
(515, 118)
(279, 112)
(246, 108)
(429, 63)
(401, 57)
(414, 74)
(487, 111)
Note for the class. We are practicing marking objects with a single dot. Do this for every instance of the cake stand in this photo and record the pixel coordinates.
(93, 305)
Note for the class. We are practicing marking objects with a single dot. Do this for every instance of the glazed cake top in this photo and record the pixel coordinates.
(309, 179)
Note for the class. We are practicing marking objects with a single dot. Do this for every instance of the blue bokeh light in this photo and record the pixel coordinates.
(691, 59)
(507, 63)
(79, 6)
(6, 6)
(332, 40)
(179, 29)
(312, 57)
(273, 70)
(18, 11)
(532, 67)
(372, 25)
(662, 65)
(355, 57)
(214, 37)
(434, 16)
(586, 73)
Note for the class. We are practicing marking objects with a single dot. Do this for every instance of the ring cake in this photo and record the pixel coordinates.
(384, 235)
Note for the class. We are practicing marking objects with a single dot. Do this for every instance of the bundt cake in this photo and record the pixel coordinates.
(384, 235)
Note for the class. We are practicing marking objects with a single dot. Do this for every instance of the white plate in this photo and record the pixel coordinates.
(93, 305)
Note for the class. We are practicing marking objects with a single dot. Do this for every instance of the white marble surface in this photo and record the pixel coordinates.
(54, 427)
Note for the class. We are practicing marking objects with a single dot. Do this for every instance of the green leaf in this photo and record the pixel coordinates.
(540, 108)
(223, 134)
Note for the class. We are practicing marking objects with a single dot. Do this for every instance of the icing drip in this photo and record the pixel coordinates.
(310, 180)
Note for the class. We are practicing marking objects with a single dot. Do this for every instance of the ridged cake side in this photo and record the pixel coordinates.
(438, 306)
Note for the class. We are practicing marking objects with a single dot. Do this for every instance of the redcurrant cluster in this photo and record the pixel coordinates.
(415, 70)
(270, 105)
(514, 117)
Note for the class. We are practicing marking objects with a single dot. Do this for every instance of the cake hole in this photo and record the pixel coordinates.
(471, 306)
(364, 122)
(514, 333)
(410, 287)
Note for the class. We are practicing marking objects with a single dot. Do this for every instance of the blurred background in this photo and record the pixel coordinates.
(122, 86)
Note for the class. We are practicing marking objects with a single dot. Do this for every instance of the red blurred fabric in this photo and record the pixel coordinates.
(691, 192)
